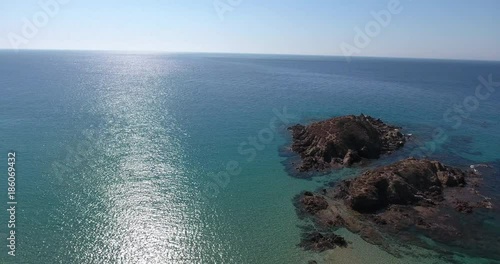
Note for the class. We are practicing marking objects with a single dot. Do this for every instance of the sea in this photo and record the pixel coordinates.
(130, 157)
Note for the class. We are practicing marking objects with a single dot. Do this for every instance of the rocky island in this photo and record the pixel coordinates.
(401, 202)
(342, 141)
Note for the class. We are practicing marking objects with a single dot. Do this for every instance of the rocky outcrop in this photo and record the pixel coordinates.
(402, 202)
(408, 182)
(342, 141)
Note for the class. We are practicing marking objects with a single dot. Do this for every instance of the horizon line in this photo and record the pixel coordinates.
(255, 53)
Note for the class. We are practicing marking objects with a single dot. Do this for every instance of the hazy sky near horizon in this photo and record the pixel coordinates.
(457, 29)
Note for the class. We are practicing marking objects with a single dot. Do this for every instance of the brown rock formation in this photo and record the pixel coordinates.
(401, 202)
(342, 141)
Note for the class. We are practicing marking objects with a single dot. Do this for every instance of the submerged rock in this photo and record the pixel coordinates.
(313, 203)
(342, 141)
(317, 241)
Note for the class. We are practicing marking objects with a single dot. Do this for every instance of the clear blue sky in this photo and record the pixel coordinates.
(458, 29)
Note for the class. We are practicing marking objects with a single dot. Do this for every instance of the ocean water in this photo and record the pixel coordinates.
(175, 158)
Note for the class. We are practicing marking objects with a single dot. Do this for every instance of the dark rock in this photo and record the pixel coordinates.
(463, 206)
(313, 203)
(351, 157)
(407, 182)
(308, 194)
(342, 141)
(317, 241)
(404, 201)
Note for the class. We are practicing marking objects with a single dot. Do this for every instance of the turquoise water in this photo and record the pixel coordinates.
(175, 158)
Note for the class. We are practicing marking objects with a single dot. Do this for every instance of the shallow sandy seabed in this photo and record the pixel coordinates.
(360, 252)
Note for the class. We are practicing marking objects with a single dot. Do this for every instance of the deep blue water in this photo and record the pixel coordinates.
(171, 158)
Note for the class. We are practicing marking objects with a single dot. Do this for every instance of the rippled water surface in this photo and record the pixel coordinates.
(169, 158)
